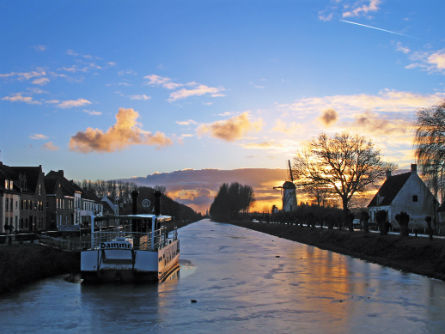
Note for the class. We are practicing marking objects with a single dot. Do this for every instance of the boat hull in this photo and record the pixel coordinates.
(128, 265)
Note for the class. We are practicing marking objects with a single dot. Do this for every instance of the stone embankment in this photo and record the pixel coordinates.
(411, 254)
(27, 263)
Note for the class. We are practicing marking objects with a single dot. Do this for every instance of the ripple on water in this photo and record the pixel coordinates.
(239, 286)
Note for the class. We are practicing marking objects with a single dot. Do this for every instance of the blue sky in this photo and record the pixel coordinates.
(210, 84)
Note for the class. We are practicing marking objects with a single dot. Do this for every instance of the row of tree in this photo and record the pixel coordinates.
(231, 199)
(117, 191)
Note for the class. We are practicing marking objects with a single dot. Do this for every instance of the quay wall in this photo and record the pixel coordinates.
(27, 263)
(410, 254)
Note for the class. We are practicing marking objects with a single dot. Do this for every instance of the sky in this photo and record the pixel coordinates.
(117, 89)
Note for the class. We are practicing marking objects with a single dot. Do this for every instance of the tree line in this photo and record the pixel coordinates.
(230, 201)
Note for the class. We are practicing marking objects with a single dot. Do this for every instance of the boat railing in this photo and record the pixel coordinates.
(139, 240)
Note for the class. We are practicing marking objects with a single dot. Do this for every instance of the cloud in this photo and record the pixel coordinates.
(360, 9)
(183, 136)
(329, 117)
(125, 132)
(428, 61)
(194, 88)
(92, 112)
(73, 53)
(50, 146)
(385, 101)
(40, 81)
(196, 91)
(346, 9)
(264, 145)
(287, 127)
(23, 75)
(140, 97)
(373, 123)
(39, 48)
(325, 16)
(38, 136)
(18, 97)
(231, 129)
(53, 101)
(73, 103)
(187, 122)
(157, 80)
(437, 59)
(401, 48)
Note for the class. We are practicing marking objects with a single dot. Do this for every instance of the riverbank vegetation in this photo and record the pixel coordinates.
(27, 263)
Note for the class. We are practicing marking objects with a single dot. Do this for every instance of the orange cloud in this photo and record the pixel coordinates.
(329, 117)
(438, 59)
(231, 129)
(122, 134)
(374, 123)
(50, 146)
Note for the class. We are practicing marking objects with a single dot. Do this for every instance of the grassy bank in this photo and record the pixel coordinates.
(417, 255)
(27, 263)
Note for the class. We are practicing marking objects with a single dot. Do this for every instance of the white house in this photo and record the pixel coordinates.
(404, 192)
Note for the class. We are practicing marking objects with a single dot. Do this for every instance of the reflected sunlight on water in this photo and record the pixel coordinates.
(237, 280)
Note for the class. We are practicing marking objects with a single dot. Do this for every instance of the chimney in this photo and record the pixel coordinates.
(388, 173)
(134, 197)
(157, 202)
(60, 172)
(414, 168)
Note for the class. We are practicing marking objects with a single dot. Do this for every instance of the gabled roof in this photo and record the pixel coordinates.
(50, 184)
(91, 195)
(31, 177)
(68, 187)
(107, 207)
(6, 173)
(389, 190)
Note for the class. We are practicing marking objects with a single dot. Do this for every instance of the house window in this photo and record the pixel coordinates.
(415, 199)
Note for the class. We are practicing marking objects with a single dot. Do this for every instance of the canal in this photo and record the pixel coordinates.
(234, 280)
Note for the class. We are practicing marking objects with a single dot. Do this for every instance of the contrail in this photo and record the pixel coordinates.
(372, 27)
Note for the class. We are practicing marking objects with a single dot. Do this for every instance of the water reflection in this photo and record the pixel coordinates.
(241, 281)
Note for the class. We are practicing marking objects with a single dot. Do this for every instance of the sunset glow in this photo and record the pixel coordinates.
(131, 89)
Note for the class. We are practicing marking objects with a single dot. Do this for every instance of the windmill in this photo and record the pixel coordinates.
(289, 193)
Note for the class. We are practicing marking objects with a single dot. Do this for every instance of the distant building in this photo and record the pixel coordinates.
(404, 192)
(30, 181)
(9, 201)
(91, 205)
(60, 201)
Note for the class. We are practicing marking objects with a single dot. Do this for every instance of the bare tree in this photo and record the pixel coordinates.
(161, 189)
(346, 164)
(430, 146)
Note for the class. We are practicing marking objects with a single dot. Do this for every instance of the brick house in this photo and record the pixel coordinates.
(30, 181)
(59, 201)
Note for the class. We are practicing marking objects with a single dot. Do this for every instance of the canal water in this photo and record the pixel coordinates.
(234, 280)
